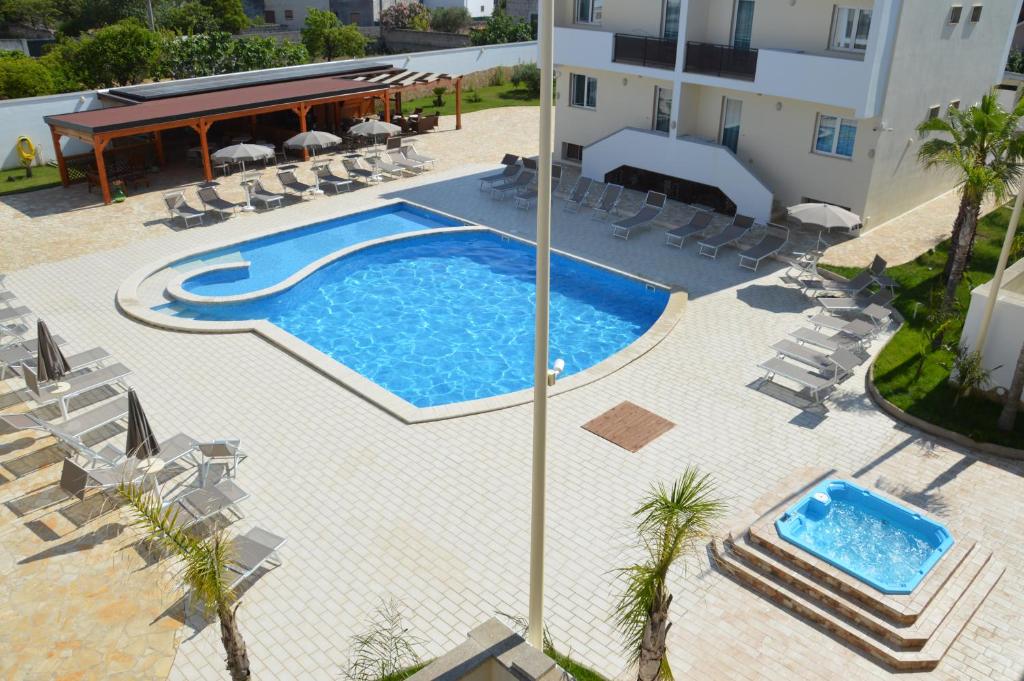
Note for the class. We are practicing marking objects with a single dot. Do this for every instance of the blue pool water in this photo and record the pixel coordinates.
(881, 543)
(274, 258)
(446, 318)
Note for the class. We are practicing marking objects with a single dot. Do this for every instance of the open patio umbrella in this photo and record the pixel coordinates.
(141, 443)
(51, 364)
(240, 153)
(373, 127)
(313, 139)
(825, 215)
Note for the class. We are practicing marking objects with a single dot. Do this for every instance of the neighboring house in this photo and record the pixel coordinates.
(523, 9)
(476, 8)
(358, 12)
(292, 13)
(761, 104)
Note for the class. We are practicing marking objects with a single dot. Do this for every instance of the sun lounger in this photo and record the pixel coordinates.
(522, 181)
(327, 178)
(882, 297)
(201, 504)
(511, 169)
(802, 266)
(699, 224)
(843, 287)
(857, 328)
(8, 297)
(14, 314)
(250, 551)
(739, 228)
(78, 384)
(215, 203)
(257, 192)
(413, 155)
(72, 430)
(359, 171)
(399, 159)
(815, 383)
(292, 184)
(654, 203)
(386, 167)
(609, 202)
(29, 344)
(578, 195)
(841, 361)
(77, 480)
(830, 342)
(773, 241)
(77, 361)
(179, 208)
(527, 197)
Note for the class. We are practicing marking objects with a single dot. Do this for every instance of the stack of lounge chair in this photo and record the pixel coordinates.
(196, 480)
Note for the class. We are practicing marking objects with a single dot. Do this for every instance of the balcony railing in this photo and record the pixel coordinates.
(643, 51)
(720, 60)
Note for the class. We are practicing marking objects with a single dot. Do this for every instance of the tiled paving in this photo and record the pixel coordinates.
(437, 514)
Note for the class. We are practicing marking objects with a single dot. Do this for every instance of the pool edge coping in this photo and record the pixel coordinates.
(127, 300)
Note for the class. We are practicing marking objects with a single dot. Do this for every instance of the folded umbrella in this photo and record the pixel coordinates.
(142, 444)
(51, 364)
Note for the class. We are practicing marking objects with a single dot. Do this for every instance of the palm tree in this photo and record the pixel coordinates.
(981, 145)
(671, 522)
(1008, 417)
(204, 569)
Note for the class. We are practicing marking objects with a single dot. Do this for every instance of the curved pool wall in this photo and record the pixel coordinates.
(133, 290)
(880, 542)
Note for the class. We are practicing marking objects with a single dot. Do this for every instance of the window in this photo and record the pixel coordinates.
(954, 14)
(288, 14)
(835, 136)
(851, 29)
(670, 20)
(589, 11)
(743, 25)
(955, 104)
(975, 14)
(572, 152)
(584, 91)
(353, 18)
(270, 17)
(662, 108)
(933, 112)
(482, 10)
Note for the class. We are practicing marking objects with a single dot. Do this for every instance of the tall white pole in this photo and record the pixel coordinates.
(545, 29)
(152, 19)
(997, 279)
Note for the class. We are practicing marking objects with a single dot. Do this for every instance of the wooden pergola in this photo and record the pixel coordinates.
(99, 127)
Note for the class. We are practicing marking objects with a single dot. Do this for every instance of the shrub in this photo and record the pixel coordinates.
(450, 19)
(529, 76)
(386, 650)
(406, 15)
(473, 96)
(439, 93)
(23, 76)
(501, 28)
(497, 77)
(325, 36)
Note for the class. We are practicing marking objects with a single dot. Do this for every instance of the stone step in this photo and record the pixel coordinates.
(901, 608)
(905, 636)
(925, 659)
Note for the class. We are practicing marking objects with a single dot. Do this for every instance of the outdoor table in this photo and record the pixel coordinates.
(237, 139)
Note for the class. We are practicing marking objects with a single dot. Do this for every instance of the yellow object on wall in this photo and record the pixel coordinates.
(26, 150)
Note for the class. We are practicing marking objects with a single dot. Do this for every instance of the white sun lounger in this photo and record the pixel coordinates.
(842, 361)
(81, 383)
(178, 207)
(413, 155)
(857, 328)
(883, 297)
(14, 314)
(833, 342)
(815, 383)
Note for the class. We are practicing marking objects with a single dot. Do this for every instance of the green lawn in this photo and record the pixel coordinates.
(14, 181)
(915, 378)
(490, 96)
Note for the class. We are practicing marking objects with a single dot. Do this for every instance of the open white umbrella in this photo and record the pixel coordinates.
(240, 153)
(825, 215)
(373, 128)
(313, 139)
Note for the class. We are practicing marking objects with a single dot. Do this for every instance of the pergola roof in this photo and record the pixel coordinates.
(222, 101)
(395, 77)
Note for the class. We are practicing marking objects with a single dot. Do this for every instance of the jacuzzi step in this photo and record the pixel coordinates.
(904, 609)
(924, 659)
(905, 636)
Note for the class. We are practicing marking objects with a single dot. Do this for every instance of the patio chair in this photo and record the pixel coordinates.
(213, 202)
(77, 385)
(802, 266)
(327, 178)
(609, 201)
(877, 269)
(259, 193)
(578, 194)
(400, 160)
(12, 358)
(815, 383)
(841, 361)
(654, 203)
(292, 184)
(737, 229)
(512, 168)
(522, 181)
(413, 155)
(856, 303)
(774, 240)
(698, 225)
(179, 208)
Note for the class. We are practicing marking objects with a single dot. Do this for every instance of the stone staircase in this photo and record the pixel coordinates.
(909, 632)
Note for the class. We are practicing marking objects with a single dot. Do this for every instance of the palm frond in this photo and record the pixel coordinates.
(635, 604)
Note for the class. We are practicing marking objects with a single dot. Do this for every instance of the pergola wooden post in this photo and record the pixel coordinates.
(201, 127)
(61, 165)
(387, 107)
(458, 103)
(158, 144)
(99, 143)
(302, 110)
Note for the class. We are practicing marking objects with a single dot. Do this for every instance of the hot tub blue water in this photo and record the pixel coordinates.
(879, 542)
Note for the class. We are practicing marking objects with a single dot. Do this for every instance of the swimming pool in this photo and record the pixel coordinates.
(877, 541)
(435, 319)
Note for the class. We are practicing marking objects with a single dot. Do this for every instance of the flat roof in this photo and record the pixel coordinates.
(221, 101)
(192, 86)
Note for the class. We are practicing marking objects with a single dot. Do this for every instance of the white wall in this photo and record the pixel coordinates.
(476, 8)
(1006, 332)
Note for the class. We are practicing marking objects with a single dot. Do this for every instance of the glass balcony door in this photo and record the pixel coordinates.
(743, 26)
(662, 108)
(670, 20)
(732, 112)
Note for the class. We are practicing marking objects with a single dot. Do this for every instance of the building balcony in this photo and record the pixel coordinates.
(720, 60)
(644, 51)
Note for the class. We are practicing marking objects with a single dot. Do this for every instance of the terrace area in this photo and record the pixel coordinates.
(436, 514)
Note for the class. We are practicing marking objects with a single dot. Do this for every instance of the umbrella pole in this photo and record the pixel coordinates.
(316, 178)
(248, 208)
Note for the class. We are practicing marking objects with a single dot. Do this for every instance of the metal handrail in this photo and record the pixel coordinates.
(720, 60)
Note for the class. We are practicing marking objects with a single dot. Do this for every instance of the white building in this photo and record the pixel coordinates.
(476, 8)
(766, 103)
(1006, 330)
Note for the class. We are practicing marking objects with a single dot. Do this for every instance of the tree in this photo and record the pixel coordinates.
(23, 76)
(62, 61)
(191, 56)
(671, 522)
(189, 18)
(501, 28)
(41, 15)
(406, 15)
(204, 572)
(1008, 417)
(325, 36)
(230, 14)
(79, 16)
(450, 19)
(1015, 62)
(125, 53)
(981, 145)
